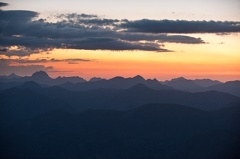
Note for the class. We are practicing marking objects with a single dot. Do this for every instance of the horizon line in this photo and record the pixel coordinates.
(88, 79)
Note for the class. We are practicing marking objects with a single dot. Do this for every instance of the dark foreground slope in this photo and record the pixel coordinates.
(148, 132)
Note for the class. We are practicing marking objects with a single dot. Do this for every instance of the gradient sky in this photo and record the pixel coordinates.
(155, 39)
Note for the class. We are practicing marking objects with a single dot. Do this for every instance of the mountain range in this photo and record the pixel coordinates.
(42, 77)
(76, 83)
(118, 118)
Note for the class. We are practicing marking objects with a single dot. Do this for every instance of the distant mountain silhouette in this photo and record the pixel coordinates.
(206, 82)
(76, 83)
(79, 84)
(94, 79)
(150, 131)
(119, 118)
(40, 75)
(74, 79)
(115, 83)
(182, 83)
(197, 85)
(11, 76)
(232, 87)
(43, 78)
(116, 99)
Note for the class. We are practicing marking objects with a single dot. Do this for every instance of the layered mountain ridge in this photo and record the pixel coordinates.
(76, 83)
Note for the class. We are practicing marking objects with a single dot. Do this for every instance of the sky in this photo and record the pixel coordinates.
(107, 38)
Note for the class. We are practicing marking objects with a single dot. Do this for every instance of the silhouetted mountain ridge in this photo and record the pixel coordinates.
(206, 82)
(43, 78)
(76, 83)
(11, 76)
(116, 99)
(232, 87)
(94, 79)
(182, 84)
(116, 83)
(119, 118)
(40, 75)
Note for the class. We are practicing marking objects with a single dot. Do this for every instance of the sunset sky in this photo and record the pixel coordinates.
(106, 38)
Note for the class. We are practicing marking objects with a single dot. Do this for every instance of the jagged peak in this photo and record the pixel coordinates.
(94, 79)
(40, 74)
(117, 77)
(13, 75)
(153, 80)
(138, 77)
(178, 79)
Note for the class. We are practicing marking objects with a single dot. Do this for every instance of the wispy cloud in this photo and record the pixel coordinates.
(28, 66)
(8, 62)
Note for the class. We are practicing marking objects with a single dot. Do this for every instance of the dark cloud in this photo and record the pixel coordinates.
(104, 43)
(8, 62)
(2, 4)
(3, 49)
(39, 35)
(99, 21)
(76, 60)
(22, 34)
(15, 22)
(180, 26)
(21, 51)
(16, 16)
(161, 38)
(86, 19)
(25, 46)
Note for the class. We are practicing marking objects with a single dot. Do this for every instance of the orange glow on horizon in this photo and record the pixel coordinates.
(218, 59)
(159, 69)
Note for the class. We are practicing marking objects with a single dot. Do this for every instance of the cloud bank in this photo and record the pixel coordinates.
(23, 33)
(181, 26)
(2, 4)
